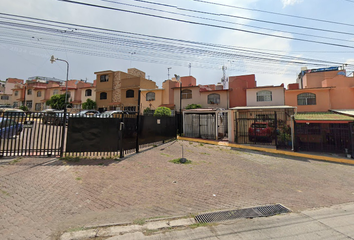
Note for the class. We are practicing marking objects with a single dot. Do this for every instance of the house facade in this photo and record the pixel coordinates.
(119, 90)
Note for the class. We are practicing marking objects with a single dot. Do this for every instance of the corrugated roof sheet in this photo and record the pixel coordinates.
(344, 111)
(322, 116)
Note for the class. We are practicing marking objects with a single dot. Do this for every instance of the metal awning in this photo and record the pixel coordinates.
(322, 117)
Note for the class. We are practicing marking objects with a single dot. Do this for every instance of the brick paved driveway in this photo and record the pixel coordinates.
(41, 197)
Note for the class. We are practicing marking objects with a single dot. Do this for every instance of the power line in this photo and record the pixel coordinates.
(275, 13)
(208, 25)
(222, 21)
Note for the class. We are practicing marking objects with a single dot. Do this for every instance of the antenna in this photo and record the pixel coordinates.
(168, 72)
(190, 68)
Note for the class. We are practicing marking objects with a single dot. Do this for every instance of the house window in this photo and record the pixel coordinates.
(38, 107)
(306, 99)
(55, 91)
(16, 93)
(15, 104)
(264, 96)
(186, 94)
(29, 104)
(88, 93)
(39, 94)
(29, 91)
(213, 98)
(104, 78)
(150, 96)
(4, 97)
(129, 94)
(103, 95)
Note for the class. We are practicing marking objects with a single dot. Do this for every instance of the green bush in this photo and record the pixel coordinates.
(193, 106)
(162, 112)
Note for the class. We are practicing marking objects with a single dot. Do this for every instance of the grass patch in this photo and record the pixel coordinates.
(78, 178)
(76, 229)
(205, 153)
(201, 144)
(15, 161)
(176, 161)
(154, 145)
(5, 193)
(139, 221)
(70, 159)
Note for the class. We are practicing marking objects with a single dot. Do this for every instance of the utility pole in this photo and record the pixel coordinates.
(168, 72)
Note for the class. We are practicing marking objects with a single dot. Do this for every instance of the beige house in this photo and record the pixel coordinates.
(119, 90)
(265, 96)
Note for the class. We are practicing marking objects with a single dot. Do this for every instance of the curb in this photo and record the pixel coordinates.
(268, 150)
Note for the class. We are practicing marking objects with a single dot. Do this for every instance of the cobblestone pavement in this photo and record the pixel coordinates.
(40, 197)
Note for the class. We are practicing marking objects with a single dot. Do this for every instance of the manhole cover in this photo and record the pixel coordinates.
(262, 211)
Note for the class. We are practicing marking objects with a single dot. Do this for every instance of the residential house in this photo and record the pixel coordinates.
(316, 92)
(6, 95)
(119, 90)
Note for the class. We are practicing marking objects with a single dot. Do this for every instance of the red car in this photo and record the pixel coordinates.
(260, 130)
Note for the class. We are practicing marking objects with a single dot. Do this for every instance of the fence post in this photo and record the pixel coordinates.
(137, 124)
(275, 130)
(121, 131)
(63, 133)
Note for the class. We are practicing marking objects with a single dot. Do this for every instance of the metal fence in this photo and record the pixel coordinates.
(27, 135)
(52, 134)
(323, 137)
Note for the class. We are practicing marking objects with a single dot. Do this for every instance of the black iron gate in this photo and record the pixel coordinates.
(253, 127)
(31, 134)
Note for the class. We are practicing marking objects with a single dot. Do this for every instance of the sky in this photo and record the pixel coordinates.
(233, 25)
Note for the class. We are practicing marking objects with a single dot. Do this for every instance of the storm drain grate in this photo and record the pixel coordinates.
(263, 211)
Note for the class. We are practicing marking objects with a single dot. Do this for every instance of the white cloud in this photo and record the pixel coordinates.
(290, 2)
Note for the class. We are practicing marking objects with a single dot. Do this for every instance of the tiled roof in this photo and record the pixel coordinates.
(322, 116)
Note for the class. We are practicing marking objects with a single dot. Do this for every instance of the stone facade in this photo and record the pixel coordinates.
(136, 72)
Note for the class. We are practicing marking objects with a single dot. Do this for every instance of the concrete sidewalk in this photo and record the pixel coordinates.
(319, 156)
(335, 222)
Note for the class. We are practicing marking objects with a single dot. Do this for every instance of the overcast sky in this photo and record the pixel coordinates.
(24, 61)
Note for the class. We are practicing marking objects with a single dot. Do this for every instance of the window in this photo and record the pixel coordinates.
(264, 96)
(104, 78)
(88, 93)
(39, 94)
(29, 104)
(103, 95)
(55, 91)
(129, 94)
(213, 98)
(16, 93)
(15, 104)
(186, 94)
(29, 91)
(306, 99)
(150, 96)
(38, 107)
(4, 97)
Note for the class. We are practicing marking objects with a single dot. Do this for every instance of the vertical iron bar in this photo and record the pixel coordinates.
(63, 132)
(137, 124)
(275, 129)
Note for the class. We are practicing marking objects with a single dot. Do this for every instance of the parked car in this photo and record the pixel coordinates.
(113, 113)
(87, 113)
(261, 131)
(17, 115)
(9, 128)
(56, 118)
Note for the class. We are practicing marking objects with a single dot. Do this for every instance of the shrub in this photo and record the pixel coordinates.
(162, 112)
(193, 106)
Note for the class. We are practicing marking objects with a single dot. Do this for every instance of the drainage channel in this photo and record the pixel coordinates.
(262, 211)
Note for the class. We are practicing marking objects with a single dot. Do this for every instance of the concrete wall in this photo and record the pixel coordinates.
(278, 96)
(238, 86)
(323, 102)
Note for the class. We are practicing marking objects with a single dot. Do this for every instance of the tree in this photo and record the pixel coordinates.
(162, 112)
(193, 106)
(24, 108)
(89, 104)
(57, 101)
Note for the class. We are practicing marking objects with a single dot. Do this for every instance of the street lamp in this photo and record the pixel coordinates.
(52, 60)
(178, 78)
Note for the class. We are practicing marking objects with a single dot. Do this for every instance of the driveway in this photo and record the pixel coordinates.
(40, 197)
